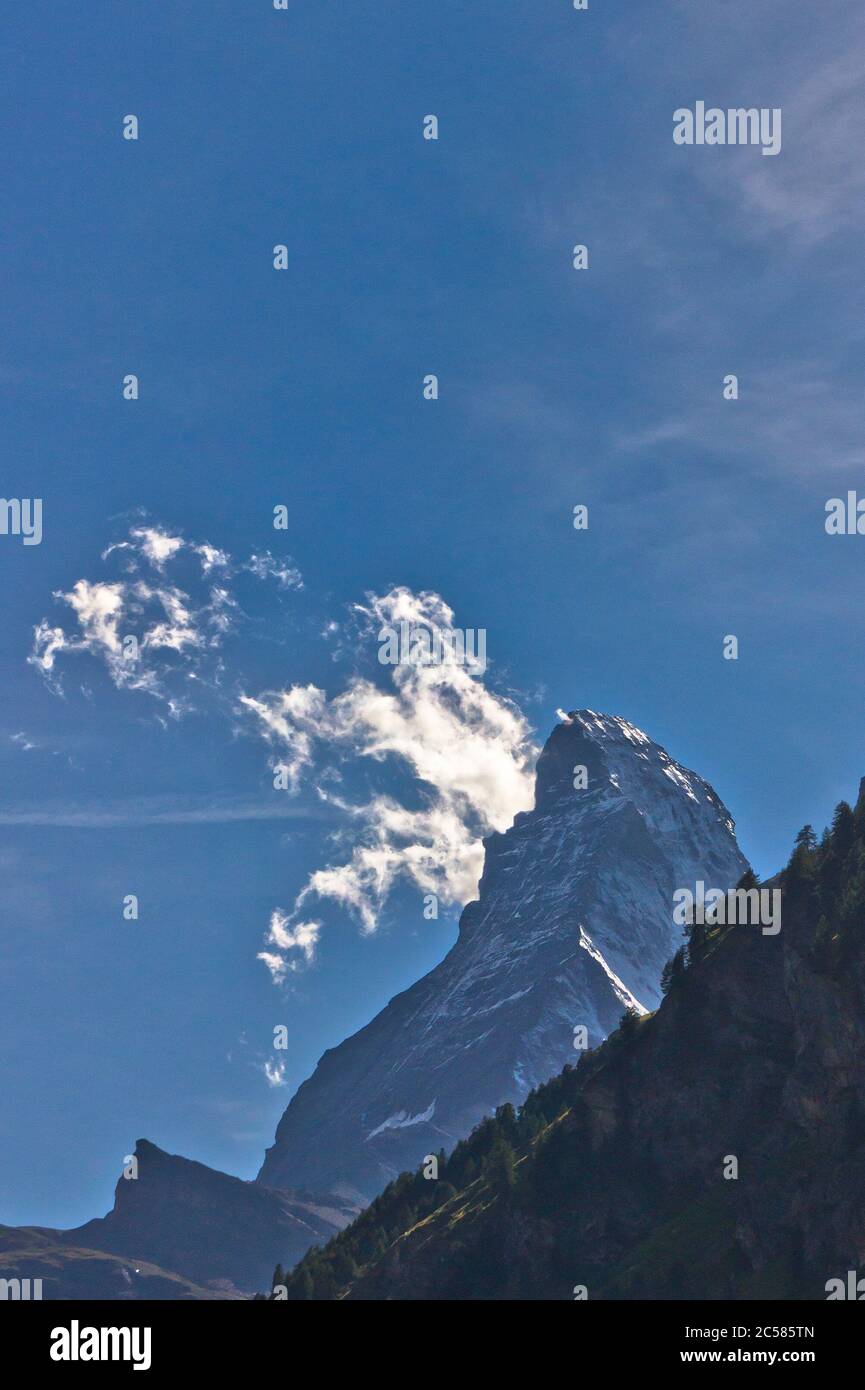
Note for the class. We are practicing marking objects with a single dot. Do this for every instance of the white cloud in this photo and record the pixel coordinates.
(159, 619)
(47, 642)
(179, 630)
(274, 1071)
(157, 545)
(174, 628)
(98, 608)
(467, 749)
(303, 938)
(289, 719)
(438, 849)
(23, 742)
(211, 558)
(266, 566)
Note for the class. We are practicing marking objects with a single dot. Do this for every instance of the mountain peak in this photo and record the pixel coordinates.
(622, 760)
(179, 1214)
(145, 1149)
(605, 725)
(573, 923)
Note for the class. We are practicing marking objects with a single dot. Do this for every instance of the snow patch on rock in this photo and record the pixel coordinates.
(402, 1120)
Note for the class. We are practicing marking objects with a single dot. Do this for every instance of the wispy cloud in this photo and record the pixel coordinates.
(23, 741)
(814, 193)
(152, 635)
(733, 262)
(274, 1072)
(283, 940)
(145, 811)
(800, 418)
(467, 750)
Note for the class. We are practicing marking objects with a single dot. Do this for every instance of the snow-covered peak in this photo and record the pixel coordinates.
(623, 759)
(573, 922)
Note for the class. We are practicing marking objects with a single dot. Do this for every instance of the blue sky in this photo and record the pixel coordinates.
(303, 388)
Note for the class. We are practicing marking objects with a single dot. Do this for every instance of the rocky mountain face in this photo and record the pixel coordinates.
(573, 924)
(209, 1228)
(713, 1150)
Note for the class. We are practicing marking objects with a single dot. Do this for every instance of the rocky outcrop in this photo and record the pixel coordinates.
(206, 1226)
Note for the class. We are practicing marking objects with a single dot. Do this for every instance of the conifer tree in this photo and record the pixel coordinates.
(628, 1023)
(806, 839)
(843, 830)
(499, 1167)
(674, 971)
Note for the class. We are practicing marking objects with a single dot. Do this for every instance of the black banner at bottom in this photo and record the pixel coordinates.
(81, 1339)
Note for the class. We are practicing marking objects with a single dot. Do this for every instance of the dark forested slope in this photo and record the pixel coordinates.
(617, 1175)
